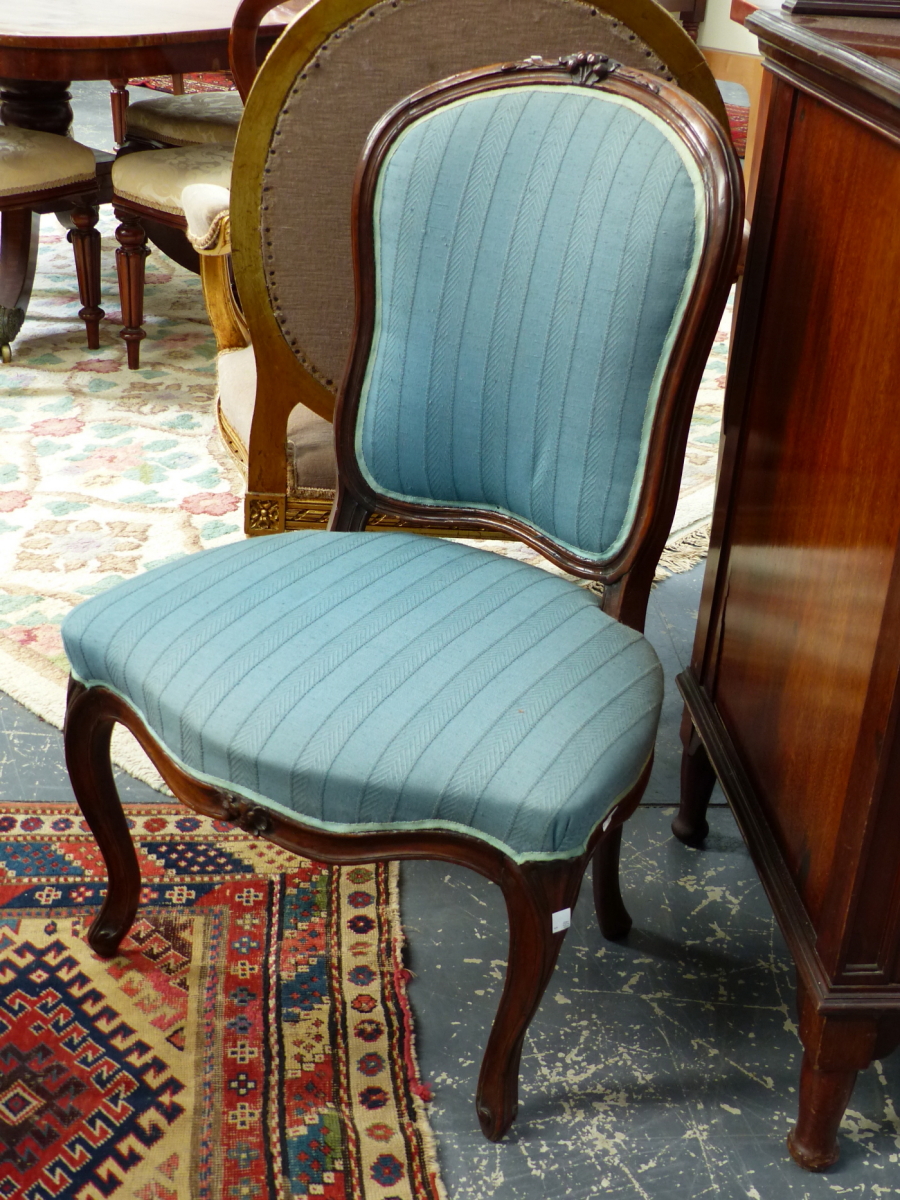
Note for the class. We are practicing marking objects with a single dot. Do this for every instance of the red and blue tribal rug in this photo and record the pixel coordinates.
(251, 1040)
(204, 81)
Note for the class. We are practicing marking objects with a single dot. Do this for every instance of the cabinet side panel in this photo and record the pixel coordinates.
(817, 511)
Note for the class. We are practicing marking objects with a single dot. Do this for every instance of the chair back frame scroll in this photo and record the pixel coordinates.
(627, 573)
(288, 370)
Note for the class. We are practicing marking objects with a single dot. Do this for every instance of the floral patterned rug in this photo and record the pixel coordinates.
(252, 1038)
(105, 472)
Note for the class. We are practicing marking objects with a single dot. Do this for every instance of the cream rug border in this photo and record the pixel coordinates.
(31, 681)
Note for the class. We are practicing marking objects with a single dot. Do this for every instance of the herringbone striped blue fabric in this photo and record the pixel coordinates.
(383, 680)
(535, 249)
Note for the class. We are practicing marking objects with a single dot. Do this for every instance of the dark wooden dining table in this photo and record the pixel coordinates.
(46, 44)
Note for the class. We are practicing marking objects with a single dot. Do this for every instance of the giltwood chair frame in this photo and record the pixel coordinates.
(533, 890)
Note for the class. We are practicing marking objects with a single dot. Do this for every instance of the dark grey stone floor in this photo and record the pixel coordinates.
(665, 1066)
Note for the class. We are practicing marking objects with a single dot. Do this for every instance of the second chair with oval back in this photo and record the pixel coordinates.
(337, 68)
(340, 65)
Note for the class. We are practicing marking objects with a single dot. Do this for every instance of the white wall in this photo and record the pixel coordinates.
(719, 32)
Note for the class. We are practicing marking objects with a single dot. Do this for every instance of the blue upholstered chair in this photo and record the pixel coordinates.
(542, 255)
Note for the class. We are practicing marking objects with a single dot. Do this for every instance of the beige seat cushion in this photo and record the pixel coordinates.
(198, 119)
(31, 161)
(310, 437)
(156, 178)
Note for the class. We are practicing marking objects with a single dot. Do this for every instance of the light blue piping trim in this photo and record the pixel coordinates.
(362, 826)
(700, 226)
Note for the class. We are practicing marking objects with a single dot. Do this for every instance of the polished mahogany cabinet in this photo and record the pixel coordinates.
(792, 697)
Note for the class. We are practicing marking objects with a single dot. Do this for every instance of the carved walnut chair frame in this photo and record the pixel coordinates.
(533, 890)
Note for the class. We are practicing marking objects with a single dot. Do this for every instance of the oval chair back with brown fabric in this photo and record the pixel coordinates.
(335, 70)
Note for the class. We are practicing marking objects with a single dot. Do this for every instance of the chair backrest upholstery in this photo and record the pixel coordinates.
(534, 250)
(337, 69)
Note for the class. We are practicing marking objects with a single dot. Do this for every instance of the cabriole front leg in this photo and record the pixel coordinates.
(533, 893)
(87, 732)
(612, 915)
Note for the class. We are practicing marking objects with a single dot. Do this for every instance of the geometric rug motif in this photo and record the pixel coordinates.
(252, 1038)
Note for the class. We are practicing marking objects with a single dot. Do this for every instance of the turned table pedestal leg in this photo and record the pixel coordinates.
(36, 104)
(19, 231)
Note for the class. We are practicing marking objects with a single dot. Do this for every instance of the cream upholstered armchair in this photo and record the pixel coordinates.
(43, 172)
(193, 119)
(337, 68)
(148, 184)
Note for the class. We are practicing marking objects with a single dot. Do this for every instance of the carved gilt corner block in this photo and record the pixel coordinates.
(264, 512)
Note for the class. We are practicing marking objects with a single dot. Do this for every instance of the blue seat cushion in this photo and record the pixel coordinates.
(365, 681)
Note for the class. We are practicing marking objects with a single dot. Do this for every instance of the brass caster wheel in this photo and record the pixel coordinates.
(6, 353)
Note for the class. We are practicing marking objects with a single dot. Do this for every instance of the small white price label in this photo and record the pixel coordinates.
(561, 919)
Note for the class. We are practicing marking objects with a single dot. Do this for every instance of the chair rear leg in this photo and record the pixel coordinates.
(612, 915)
(19, 233)
(86, 244)
(87, 733)
(130, 256)
(533, 893)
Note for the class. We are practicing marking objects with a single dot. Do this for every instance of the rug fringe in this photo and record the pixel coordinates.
(683, 552)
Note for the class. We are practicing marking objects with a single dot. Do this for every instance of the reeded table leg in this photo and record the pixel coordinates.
(86, 243)
(130, 257)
